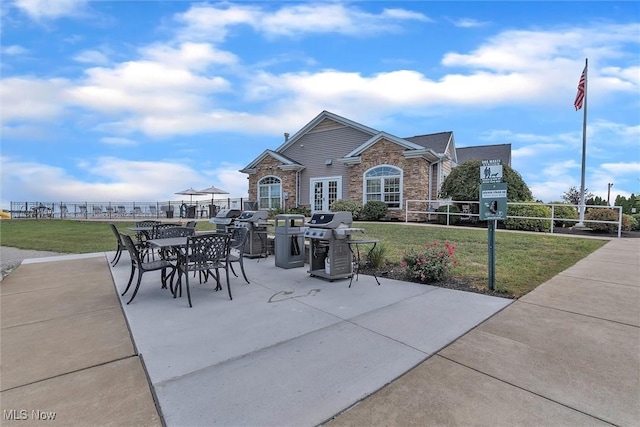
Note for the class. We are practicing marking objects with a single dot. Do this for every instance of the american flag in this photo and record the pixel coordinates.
(580, 96)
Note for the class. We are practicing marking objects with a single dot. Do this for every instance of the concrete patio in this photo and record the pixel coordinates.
(290, 349)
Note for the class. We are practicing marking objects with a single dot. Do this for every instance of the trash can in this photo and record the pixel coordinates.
(289, 243)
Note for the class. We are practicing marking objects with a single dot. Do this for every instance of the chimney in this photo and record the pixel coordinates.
(286, 136)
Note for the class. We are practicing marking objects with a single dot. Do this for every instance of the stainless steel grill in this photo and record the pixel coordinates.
(329, 254)
(224, 219)
(256, 223)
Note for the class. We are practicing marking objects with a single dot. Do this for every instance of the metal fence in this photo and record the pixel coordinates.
(428, 208)
(133, 210)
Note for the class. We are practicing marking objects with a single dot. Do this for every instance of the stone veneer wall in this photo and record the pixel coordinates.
(269, 167)
(415, 175)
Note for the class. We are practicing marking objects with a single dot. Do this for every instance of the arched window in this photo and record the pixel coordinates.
(269, 192)
(383, 183)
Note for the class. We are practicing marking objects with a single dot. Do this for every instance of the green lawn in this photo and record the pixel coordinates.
(523, 260)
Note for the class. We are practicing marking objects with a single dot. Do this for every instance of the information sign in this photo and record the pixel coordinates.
(493, 201)
(491, 171)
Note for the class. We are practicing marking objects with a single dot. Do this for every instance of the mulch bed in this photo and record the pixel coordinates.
(396, 272)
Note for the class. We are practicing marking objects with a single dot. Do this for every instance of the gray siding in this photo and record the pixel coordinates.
(315, 147)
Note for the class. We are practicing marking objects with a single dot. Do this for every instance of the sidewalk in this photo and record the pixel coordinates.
(566, 354)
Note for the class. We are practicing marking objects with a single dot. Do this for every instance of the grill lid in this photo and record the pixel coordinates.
(228, 213)
(331, 219)
(253, 216)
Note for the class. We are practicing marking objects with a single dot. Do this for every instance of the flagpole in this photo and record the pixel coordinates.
(581, 206)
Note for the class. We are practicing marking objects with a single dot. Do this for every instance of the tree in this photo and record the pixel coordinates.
(573, 195)
(463, 183)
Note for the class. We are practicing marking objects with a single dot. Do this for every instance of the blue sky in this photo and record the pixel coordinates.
(136, 100)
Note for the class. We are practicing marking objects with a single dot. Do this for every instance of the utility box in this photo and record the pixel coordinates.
(289, 243)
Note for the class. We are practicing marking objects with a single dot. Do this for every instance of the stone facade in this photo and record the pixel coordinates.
(270, 167)
(415, 182)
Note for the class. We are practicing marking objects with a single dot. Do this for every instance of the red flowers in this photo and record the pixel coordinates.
(430, 265)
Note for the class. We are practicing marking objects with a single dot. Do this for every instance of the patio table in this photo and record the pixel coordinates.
(354, 246)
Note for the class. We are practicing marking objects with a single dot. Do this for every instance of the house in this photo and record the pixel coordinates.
(334, 158)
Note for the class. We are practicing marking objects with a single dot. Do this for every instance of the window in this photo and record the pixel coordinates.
(383, 183)
(269, 191)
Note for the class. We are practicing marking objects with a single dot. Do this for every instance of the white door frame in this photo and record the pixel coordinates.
(326, 200)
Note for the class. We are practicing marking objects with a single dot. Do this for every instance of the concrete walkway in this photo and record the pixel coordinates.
(295, 350)
(566, 354)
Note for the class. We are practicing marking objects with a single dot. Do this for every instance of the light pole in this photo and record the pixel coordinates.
(609, 193)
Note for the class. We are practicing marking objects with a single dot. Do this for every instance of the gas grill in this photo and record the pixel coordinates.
(329, 234)
(224, 219)
(256, 223)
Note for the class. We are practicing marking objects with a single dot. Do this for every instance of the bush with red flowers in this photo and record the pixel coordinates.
(431, 264)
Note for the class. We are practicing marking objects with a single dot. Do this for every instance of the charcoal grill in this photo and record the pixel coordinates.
(256, 223)
(329, 234)
(224, 219)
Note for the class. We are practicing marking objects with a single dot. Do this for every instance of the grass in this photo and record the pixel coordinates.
(523, 261)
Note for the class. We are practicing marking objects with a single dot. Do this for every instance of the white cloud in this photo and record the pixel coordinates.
(50, 9)
(13, 50)
(468, 23)
(118, 141)
(30, 99)
(94, 57)
(212, 23)
(622, 168)
(112, 179)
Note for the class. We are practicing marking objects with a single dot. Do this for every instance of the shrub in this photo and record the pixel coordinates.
(374, 211)
(300, 211)
(568, 212)
(348, 205)
(603, 214)
(540, 211)
(453, 219)
(377, 257)
(431, 264)
(635, 222)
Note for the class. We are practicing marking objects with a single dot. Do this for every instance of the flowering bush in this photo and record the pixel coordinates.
(431, 264)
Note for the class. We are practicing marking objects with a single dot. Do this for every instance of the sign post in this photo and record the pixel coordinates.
(493, 207)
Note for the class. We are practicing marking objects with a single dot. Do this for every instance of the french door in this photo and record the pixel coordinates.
(325, 191)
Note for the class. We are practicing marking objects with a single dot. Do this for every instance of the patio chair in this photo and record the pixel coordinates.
(137, 211)
(121, 210)
(97, 211)
(138, 264)
(120, 247)
(169, 232)
(204, 253)
(236, 249)
(63, 211)
(83, 211)
(152, 210)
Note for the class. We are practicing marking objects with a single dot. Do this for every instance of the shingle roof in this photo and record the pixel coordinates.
(485, 152)
(435, 141)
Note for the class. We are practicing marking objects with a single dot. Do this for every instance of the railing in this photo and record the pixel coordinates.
(433, 205)
(116, 210)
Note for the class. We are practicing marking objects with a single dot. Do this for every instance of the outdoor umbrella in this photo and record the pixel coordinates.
(213, 190)
(190, 192)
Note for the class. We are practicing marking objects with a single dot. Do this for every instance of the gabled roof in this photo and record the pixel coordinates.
(412, 150)
(486, 152)
(319, 118)
(287, 163)
(438, 142)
